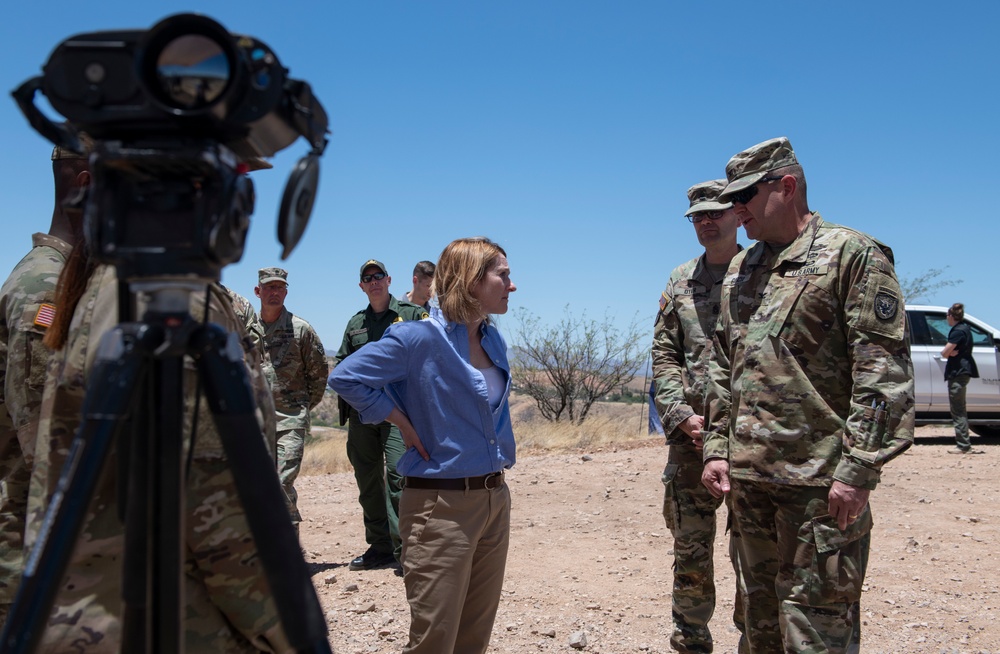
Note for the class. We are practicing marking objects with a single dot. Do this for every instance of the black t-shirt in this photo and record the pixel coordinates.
(961, 363)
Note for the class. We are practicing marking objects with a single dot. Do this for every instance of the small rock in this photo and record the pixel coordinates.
(551, 633)
(586, 457)
(578, 640)
(364, 609)
(351, 588)
(332, 579)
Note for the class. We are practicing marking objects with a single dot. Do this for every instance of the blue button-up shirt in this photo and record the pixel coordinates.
(422, 367)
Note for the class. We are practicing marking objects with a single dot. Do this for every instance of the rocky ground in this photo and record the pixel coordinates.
(590, 558)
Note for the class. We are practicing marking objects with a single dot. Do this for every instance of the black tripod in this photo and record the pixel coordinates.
(140, 365)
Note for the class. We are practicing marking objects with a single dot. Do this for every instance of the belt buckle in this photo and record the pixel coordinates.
(490, 484)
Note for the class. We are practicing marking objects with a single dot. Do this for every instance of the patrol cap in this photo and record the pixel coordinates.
(60, 153)
(265, 275)
(373, 262)
(705, 197)
(750, 166)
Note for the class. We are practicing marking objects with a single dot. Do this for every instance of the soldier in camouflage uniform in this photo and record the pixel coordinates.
(245, 313)
(811, 394)
(227, 602)
(297, 369)
(27, 309)
(374, 450)
(689, 309)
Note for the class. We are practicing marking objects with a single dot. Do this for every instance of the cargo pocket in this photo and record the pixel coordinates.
(669, 498)
(830, 563)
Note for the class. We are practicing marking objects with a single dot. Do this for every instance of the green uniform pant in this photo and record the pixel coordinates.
(803, 575)
(689, 512)
(291, 443)
(956, 400)
(374, 451)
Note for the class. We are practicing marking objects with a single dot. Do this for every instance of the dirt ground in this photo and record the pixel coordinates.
(589, 553)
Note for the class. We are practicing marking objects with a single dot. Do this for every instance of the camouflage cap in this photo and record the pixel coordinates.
(265, 275)
(748, 167)
(59, 153)
(373, 262)
(705, 197)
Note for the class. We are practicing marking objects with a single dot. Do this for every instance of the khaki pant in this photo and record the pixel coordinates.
(454, 556)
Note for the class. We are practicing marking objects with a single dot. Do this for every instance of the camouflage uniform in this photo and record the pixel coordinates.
(298, 370)
(247, 316)
(689, 308)
(227, 603)
(374, 450)
(27, 307)
(811, 337)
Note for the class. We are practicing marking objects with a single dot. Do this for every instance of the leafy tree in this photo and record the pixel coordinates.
(567, 367)
(915, 288)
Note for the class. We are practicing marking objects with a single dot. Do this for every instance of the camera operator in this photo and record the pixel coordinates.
(27, 308)
(228, 606)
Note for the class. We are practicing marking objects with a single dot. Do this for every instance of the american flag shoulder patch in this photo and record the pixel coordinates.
(45, 315)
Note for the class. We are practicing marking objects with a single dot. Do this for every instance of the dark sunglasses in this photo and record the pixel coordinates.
(379, 276)
(747, 194)
(702, 215)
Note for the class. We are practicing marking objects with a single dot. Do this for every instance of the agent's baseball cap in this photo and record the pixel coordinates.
(705, 197)
(265, 275)
(750, 166)
(373, 262)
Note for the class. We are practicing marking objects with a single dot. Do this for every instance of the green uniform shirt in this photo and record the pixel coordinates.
(811, 343)
(366, 327)
(689, 310)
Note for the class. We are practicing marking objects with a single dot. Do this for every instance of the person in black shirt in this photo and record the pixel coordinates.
(961, 367)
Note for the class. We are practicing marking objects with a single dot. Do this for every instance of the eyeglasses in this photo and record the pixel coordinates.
(379, 276)
(702, 215)
(745, 195)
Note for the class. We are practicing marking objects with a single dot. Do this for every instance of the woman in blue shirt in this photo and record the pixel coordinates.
(445, 382)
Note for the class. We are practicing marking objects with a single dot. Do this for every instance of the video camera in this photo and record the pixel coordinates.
(178, 113)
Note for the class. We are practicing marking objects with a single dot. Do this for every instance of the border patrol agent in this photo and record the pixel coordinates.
(374, 450)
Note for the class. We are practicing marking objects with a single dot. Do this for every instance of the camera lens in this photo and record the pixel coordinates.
(192, 71)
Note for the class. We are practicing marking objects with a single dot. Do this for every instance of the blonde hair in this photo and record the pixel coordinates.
(462, 265)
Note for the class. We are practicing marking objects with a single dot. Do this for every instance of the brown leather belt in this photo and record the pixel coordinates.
(490, 481)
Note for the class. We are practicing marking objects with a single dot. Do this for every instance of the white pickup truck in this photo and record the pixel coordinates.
(928, 336)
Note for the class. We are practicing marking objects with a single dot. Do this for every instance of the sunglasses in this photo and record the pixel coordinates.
(379, 276)
(702, 215)
(744, 196)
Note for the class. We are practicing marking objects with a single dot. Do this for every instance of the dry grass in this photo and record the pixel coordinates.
(610, 424)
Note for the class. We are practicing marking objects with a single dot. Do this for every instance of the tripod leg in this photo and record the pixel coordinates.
(112, 384)
(220, 363)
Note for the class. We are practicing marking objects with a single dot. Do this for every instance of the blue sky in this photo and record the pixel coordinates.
(569, 132)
